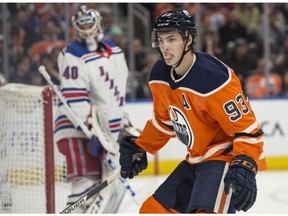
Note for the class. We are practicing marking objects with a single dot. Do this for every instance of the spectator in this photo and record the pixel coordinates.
(107, 21)
(51, 68)
(275, 8)
(217, 14)
(143, 90)
(136, 77)
(258, 87)
(30, 23)
(139, 54)
(22, 73)
(210, 43)
(206, 23)
(249, 16)
(37, 79)
(52, 38)
(284, 10)
(54, 55)
(284, 90)
(280, 59)
(115, 34)
(241, 60)
(276, 29)
(16, 49)
(232, 30)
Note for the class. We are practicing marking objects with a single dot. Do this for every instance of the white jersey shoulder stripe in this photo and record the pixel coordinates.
(155, 123)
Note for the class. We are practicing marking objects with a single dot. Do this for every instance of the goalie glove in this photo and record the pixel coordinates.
(133, 159)
(241, 178)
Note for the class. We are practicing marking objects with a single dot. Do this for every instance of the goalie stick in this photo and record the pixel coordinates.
(107, 142)
(91, 193)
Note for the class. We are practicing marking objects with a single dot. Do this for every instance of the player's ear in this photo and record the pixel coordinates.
(190, 40)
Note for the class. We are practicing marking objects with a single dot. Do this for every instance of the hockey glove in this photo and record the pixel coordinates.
(241, 178)
(133, 159)
(94, 147)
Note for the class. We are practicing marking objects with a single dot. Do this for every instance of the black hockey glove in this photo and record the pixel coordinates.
(133, 159)
(241, 178)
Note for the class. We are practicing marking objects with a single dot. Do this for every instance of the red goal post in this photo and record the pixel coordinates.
(32, 171)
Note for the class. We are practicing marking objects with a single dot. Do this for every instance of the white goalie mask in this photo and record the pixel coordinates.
(87, 25)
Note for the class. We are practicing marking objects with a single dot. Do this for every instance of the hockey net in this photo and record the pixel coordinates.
(32, 171)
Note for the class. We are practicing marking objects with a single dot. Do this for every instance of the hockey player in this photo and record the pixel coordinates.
(93, 72)
(199, 100)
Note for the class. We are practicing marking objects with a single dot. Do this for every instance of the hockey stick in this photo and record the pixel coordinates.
(107, 142)
(91, 193)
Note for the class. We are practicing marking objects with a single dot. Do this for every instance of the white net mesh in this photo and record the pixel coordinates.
(22, 152)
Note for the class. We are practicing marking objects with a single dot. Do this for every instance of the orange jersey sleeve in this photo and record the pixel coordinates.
(159, 129)
(206, 110)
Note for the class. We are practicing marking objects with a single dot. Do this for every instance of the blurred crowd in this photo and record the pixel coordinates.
(233, 32)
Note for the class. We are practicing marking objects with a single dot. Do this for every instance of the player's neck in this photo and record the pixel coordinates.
(186, 63)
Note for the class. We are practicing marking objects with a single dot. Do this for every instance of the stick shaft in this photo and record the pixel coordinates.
(91, 193)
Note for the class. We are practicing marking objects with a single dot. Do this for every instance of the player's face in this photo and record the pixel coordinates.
(171, 46)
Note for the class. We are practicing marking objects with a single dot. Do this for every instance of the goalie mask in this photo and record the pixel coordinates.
(87, 25)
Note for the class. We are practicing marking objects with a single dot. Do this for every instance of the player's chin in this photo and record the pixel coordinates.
(169, 62)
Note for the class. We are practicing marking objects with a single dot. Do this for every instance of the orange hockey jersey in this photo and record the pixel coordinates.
(206, 110)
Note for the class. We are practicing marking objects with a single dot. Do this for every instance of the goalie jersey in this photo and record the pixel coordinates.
(205, 109)
(91, 78)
